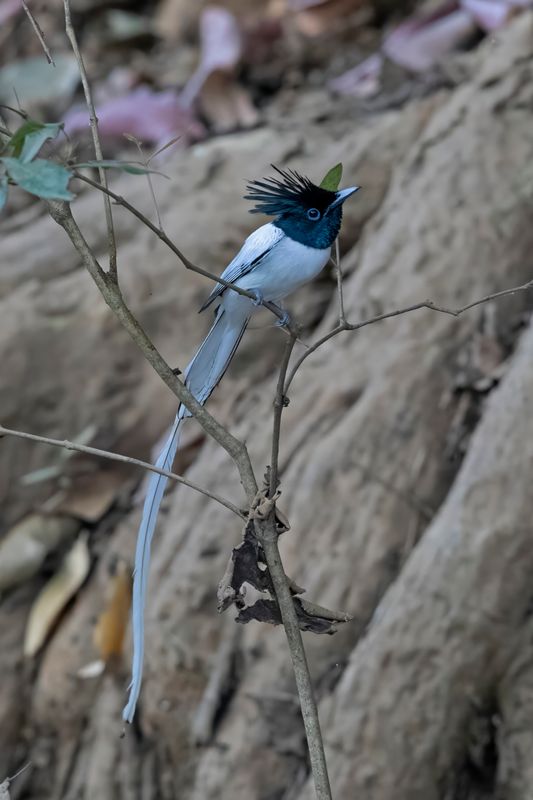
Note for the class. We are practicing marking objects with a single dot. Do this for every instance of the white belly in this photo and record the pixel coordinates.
(288, 266)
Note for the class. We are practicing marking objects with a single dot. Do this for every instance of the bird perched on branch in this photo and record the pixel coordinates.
(276, 259)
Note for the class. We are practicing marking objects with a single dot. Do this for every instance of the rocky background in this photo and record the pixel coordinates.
(406, 456)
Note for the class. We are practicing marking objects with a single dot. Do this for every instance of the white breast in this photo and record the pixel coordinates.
(288, 266)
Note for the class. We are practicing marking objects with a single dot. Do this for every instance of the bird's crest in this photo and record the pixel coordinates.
(275, 196)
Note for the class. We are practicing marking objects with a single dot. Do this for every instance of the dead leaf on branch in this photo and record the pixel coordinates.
(247, 567)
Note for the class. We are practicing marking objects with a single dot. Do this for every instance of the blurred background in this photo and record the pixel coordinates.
(406, 456)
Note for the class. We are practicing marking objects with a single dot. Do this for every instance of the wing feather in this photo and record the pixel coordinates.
(253, 251)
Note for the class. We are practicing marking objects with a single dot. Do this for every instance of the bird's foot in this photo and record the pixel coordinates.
(258, 297)
(285, 320)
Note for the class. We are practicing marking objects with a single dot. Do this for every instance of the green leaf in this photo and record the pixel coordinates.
(30, 137)
(125, 166)
(35, 140)
(332, 179)
(3, 191)
(40, 177)
(16, 143)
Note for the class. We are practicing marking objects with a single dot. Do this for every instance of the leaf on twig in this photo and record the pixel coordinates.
(3, 191)
(111, 627)
(331, 181)
(56, 594)
(30, 137)
(247, 567)
(126, 166)
(308, 618)
(40, 177)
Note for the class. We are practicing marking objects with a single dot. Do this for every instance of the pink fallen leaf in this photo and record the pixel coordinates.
(214, 87)
(300, 5)
(491, 15)
(421, 41)
(8, 9)
(152, 117)
(362, 80)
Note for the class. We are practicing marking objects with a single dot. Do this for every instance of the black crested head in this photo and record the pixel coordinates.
(303, 211)
(276, 197)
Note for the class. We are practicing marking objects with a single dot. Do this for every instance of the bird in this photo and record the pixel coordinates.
(275, 260)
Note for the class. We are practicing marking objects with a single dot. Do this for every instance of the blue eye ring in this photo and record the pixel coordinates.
(313, 214)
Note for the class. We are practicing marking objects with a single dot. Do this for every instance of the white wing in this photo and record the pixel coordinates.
(255, 248)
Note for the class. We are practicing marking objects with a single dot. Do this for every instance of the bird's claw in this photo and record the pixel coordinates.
(284, 321)
(258, 297)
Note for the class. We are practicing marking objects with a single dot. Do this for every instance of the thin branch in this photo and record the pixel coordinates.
(340, 293)
(110, 291)
(268, 536)
(146, 163)
(453, 312)
(94, 451)
(93, 119)
(121, 201)
(279, 404)
(38, 32)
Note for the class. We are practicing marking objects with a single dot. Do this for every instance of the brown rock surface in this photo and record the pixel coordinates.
(387, 522)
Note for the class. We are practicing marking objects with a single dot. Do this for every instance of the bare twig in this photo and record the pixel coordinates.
(146, 163)
(268, 536)
(279, 404)
(61, 213)
(340, 293)
(453, 312)
(93, 119)
(38, 33)
(94, 451)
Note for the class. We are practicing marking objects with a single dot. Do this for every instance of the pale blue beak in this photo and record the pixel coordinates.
(343, 195)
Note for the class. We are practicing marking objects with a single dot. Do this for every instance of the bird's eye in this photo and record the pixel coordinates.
(313, 214)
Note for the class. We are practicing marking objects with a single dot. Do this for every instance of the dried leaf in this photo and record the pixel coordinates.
(91, 496)
(247, 568)
(225, 104)
(56, 594)
(152, 117)
(25, 547)
(112, 624)
(491, 15)
(421, 41)
(319, 17)
(361, 81)
(8, 9)
(309, 619)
